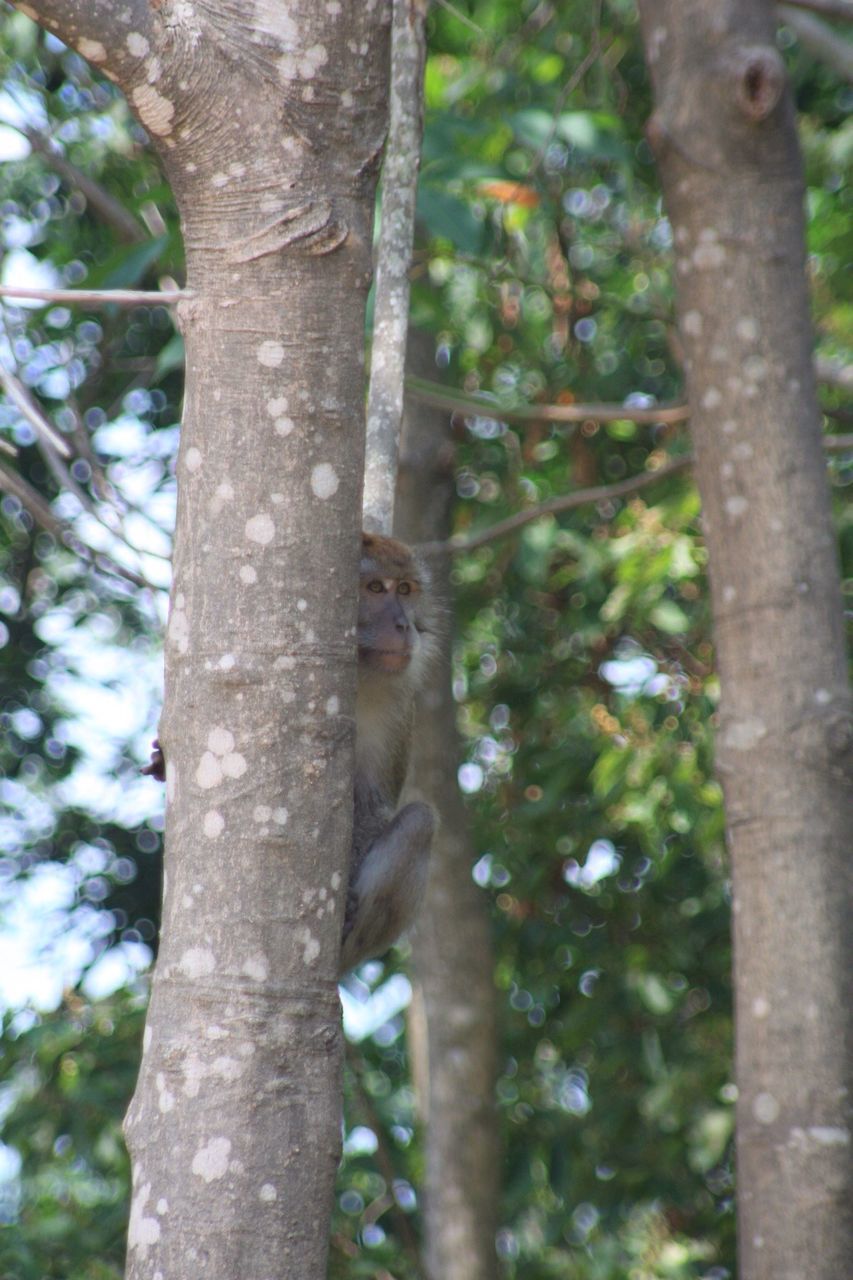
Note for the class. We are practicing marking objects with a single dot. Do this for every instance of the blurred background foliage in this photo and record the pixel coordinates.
(584, 671)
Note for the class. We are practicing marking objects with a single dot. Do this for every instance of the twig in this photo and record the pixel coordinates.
(384, 1160)
(41, 512)
(99, 297)
(396, 233)
(26, 405)
(441, 397)
(841, 9)
(580, 498)
(563, 502)
(108, 209)
(821, 40)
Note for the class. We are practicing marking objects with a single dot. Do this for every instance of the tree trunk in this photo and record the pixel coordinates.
(454, 1047)
(270, 120)
(723, 131)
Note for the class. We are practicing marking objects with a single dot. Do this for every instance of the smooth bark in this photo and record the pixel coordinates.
(270, 119)
(723, 131)
(399, 190)
(454, 1041)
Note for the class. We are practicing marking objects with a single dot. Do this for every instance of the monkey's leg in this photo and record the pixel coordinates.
(389, 885)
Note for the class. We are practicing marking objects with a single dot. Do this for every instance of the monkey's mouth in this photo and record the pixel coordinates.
(388, 660)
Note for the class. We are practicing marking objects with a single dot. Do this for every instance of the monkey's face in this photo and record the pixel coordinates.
(387, 633)
(389, 599)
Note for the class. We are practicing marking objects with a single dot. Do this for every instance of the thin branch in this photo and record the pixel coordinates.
(840, 9)
(11, 482)
(99, 297)
(581, 497)
(99, 200)
(563, 502)
(29, 409)
(821, 40)
(441, 397)
(396, 234)
(384, 1159)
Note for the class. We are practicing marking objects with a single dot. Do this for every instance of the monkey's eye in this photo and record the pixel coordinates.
(375, 585)
(404, 588)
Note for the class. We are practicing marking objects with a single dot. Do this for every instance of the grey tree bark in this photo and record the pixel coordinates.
(454, 1041)
(270, 119)
(724, 135)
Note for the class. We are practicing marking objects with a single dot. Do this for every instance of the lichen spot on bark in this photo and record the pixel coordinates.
(248, 574)
(165, 1097)
(211, 1161)
(234, 765)
(709, 253)
(310, 945)
(209, 771)
(745, 735)
(220, 741)
(765, 1108)
(179, 628)
(155, 111)
(692, 324)
(193, 458)
(257, 968)
(747, 329)
(213, 824)
(736, 506)
(302, 64)
(760, 1007)
(270, 354)
(268, 1193)
(260, 528)
(142, 1232)
(333, 705)
(198, 962)
(712, 398)
(324, 480)
(93, 50)
(137, 45)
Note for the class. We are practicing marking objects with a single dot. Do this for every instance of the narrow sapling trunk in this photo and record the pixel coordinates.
(723, 130)
(270, 120)
(454, 1041)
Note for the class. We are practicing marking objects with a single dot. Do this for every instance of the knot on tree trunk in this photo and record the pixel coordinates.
(757, 74)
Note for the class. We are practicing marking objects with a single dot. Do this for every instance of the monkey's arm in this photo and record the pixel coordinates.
(387, 886)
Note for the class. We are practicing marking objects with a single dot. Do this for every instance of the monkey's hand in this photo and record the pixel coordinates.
(156, 768)
(385, 895)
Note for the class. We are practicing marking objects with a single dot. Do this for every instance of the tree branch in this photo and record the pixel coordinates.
(108, 209)
(840, 9)
(29, 409)
(581, 497)
(94, 27)
(440, 397)
(99, 297)
(391, 304)
(821, 40)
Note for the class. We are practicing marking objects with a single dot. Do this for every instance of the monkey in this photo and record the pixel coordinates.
(397, 635)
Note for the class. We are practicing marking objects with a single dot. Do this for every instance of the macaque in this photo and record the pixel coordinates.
(397, 625)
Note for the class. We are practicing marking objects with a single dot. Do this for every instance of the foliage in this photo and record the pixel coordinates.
(584, 672)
